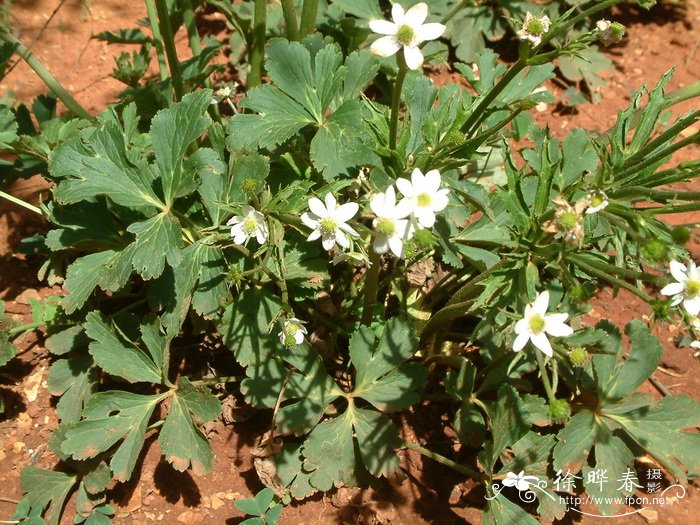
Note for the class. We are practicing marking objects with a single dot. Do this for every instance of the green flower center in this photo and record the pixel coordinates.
(535, 27)
(692, 289)
(328, 226)
(536, 324)
(405, 35)
(249, 185)
(291, 329)
(617, 30)
(597, 200)
(423, 200)
(568, 220)
(386, 227)
(289, 340)
(249, 225)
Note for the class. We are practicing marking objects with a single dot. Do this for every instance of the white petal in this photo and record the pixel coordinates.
(678, 270)
(318, 208)
(554, 325)
(397, 13)
(425, 217)
(672, 289)
(429, 32)
(385, 46)
(540, 341)
(349, 230)
(383, 27)
(240, 238)
(418, 180)
(376, 204)
(342, 239)
(541, 303)
(310, 220)
(405, 187)
(678, 299)
(520, 342)
(247, 210)
(396, 245)
(331, 203)
(261, 235)
(521, 327)
(403, 209)
(299, 337)
(328, 242)
(346, 212)
(416, 15)
(433, 181)
(413, 56)
(390, 198)
(380, 244)
(314, 235)
(692, 306)
(439, 201)
(234, 220)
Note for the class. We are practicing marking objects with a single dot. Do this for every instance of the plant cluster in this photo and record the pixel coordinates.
(359, 240)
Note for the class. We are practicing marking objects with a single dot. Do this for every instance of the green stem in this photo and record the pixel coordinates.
(680, 208)
(20, 202)
(639, 192)
(191, 24)
(290, 20)
(631, 171)
(545, 376)
(46, 77)
(308, 18)
(157, 37)
(583, 15)
(613, 280)
(217, 380)
(468, 471)
(371, 282)
(396, 100)
(24, 328)
(168, 40)
(257, 50)
(455, 10)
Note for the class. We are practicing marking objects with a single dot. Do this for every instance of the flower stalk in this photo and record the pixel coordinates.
(257, 51)
(158, 38)
(20, 202)
(371, 286)
(309, 12)
(291, 23)
(168, 40)
(396, 100)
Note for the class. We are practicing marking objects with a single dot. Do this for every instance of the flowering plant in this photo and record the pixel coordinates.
(162, 206)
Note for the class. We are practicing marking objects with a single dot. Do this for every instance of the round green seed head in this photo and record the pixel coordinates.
(578, 356)
(559, 411)
(568, 220)
(535, 27)
(617, 30)
(680, 235)
(386, 227)
(405, 35)
(655, 251)
(424, 239)
(536, 324)
(249, 185)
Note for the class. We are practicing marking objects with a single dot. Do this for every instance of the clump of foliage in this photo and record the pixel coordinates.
(355, 237)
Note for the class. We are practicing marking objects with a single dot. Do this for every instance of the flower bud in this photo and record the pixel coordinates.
(680, 235)
(559, 411)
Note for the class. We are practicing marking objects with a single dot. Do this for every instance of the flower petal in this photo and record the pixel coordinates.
(346, 212)
(403, 208)
(318, 208)
(520, 342)
(314, 235)
(383, 27)
(692, 306)
(541, 303)
(418, 180)
(396, 245)
(331, 203)
(429, 32)
(342, 239)
(416, 15)
(413, 56)
(376, 204)
(328, 241)
(540, 341)
(349, 230)
(405, 187)
(381, 242)
(310, 220)
(397, 13)
(439, 201)
(385, 46)
(425, 217)
(234, 220)
(672, 289)
(240, 238)
(433, 181)
(554, 325)
(678, 270)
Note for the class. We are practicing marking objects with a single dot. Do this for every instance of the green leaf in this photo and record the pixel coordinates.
(578, 157)
(181, 441)
(502, 511)
(244, 326)
(107, 418)
(289, 463)
(172, 132)
(117, 357)
(157, 239)
(7, 349)
(8, 128)
(507, 422)
(612, 457)
(575, 442)
(75, 380)
(67, 340)
(46, 488)
(82, 277)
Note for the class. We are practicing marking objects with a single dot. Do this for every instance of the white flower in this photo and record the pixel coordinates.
(609, 32)
(533, 28)
(252, 223)
(425, 195)
(292, 333)
(540, 107)
(407, 31)
(390, 226)
(328, 221)
(537, 323)
(224, 93)
(519, 481)
(686, 289)
(596, 200)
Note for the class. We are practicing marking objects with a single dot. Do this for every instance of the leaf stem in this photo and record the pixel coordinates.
(545, 376)
(157, 37)
(168, 40)
(291, 23)
(20, 202)
(371, 282)
(257, 50)
(613, 280)
(46, 77)
(188, 17)
(217, 380)
(396, 99)
(469, 471)
(455, 10)
(308, 18)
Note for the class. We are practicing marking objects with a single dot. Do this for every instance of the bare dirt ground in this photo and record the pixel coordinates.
(430, 494)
